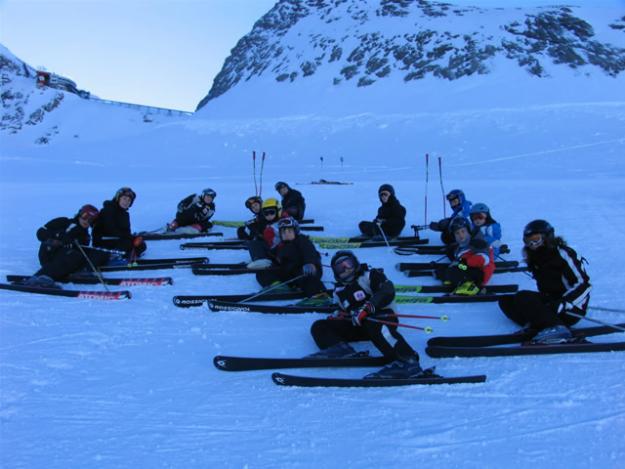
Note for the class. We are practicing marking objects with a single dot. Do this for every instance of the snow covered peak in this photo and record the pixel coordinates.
(329, 46)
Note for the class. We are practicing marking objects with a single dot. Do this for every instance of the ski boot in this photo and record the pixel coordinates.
(340, 350)
(467, 288)
(407, 368)
(553, 335)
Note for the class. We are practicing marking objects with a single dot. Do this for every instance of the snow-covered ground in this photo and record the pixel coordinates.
(131, 383)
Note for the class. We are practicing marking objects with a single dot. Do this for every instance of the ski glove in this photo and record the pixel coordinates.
(309, 270)
(359, 316)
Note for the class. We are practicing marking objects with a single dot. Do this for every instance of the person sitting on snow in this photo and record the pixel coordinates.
(460, 207)
(391, 217)
(195, 211)
(293, 202)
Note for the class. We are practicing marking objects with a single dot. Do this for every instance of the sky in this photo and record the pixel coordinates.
(157, 52)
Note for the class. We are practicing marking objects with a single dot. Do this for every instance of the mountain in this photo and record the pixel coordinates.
(348, 54)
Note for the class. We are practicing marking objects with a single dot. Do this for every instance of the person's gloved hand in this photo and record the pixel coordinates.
(434, 226)
(309, 270)
(359, 315)
(462, 265)
(53, 243)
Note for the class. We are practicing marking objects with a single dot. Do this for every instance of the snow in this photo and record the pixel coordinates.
(85, 383)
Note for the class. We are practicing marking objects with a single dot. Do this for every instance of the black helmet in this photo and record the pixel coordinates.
(456, 194)
(541, 227)
(459, 222)
(209, 192)
(388, 188)
(345, 266)
(280, 184)
(125, 191)
(289, 222)
(253, 200)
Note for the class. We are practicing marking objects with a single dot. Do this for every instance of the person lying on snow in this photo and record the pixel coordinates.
(195, 212)
(364, 296)
(64, 245)
(112, 227)
(391, 217)
(562, 282)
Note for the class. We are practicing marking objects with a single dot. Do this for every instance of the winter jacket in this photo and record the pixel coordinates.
(291, 256)
(59, 233)
(392, 217)
(192, 210)
(112, 228)
(491, 233)
(559, 274)
(478, 254)
(369, 285)
(294, 204)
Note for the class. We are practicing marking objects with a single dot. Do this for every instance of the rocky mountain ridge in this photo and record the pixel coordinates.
(363, 42)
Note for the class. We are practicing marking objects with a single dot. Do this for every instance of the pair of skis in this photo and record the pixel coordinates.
(186, 301)
(230, 363)
(518, 344)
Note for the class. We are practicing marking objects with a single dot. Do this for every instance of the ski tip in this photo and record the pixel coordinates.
(220, 362)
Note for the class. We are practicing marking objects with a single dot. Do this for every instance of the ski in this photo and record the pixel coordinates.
(514, 338)
(327, 307)
(310, 381)
(525, 349)
(186, 301)
(173, 260)
(135, 267)
(173, 235)
(405, 250)
(241, 270)
(403, 266)
(432, 273)
(93, 280)
(228, 363)
(368, 244)
(362, 239)
(236, 224)
(448, 288)
(90, 295)
(214, 246)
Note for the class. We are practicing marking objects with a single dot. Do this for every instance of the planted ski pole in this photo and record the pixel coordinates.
(110, 251)
(93, 267)
(603, 323)
(427, 330)
(440, 177)
(254, 172)
(264, 292)
(427, 179)
(262, 167)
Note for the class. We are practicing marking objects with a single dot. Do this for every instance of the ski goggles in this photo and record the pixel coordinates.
(268, 212)
(534, 241)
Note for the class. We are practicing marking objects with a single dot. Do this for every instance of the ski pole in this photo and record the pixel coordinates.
(440, 177)
(110, 251)
(93, 267)
(444, 317)
(261, 293)
(609, 310)
(427, 178)
(427, 330)
(383, 234)
(618, 328)
(254, 172)
(262, 167)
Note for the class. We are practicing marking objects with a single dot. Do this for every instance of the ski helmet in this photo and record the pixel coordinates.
(125, 191)
(280, 184)
(541, 227)
(345, 266)
(271, 205)
(458, 223)
(289, 222)
(88, 212)
(209, 192)
(456, 194)
(253, 200)
(480, 208)
(386, 188)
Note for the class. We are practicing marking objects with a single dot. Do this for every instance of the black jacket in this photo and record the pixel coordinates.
(392, 216)
(112, 228)
(369, 285)
(252, 229)
(193, 211)
(294, 204)
(293, 255)
(60, 233)
(559, 274)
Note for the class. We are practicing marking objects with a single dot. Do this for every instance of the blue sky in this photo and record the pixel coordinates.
(157, 52)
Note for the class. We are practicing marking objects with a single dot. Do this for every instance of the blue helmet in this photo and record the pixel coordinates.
(480, 208)
(456, 194)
